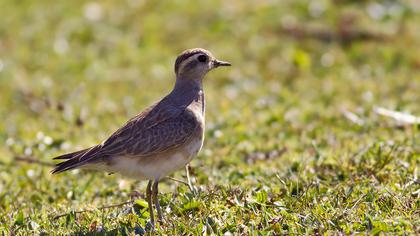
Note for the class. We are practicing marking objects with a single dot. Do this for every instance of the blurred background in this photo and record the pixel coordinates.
(306, 80)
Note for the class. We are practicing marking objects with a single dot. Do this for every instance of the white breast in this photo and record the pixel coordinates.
(156, 167)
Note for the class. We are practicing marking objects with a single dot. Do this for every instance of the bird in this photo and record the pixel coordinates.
(163, 138)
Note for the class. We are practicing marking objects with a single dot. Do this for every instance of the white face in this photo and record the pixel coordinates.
(197, 65)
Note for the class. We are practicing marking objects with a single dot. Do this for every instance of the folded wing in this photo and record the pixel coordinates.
(151, 132)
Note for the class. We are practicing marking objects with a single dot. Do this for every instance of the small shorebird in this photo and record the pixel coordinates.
(161, 139)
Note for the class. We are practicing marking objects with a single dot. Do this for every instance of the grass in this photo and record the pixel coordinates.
(280, 156)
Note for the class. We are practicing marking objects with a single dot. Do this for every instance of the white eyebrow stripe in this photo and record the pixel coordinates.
(187, 61)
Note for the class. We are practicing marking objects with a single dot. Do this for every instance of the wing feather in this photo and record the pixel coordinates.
(155, 130)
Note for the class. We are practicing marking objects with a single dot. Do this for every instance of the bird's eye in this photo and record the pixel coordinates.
(202, 58)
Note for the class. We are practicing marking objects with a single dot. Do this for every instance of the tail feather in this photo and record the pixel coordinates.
(71, 155)
(66, 165)
(74, 159)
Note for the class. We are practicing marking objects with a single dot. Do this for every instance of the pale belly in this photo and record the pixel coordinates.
(155, 167)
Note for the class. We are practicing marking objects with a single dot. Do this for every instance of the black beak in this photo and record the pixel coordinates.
(218, 63)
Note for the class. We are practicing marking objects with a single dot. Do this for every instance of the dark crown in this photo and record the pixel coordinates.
(187, 54)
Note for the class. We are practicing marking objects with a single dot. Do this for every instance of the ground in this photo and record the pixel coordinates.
(293, 143)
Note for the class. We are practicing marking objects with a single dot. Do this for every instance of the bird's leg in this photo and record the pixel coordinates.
(187, 172)
(149, 201)
(156, 200)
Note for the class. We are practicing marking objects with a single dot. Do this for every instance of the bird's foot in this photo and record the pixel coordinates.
(150, 226)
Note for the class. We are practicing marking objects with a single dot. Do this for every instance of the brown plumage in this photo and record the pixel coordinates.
(162, 138)
(157, 129)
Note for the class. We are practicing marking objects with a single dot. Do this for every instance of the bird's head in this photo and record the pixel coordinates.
(195, 63)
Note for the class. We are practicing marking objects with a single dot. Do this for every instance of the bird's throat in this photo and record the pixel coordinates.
(186, 92)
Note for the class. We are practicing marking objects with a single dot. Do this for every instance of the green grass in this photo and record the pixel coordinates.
(280, 157)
